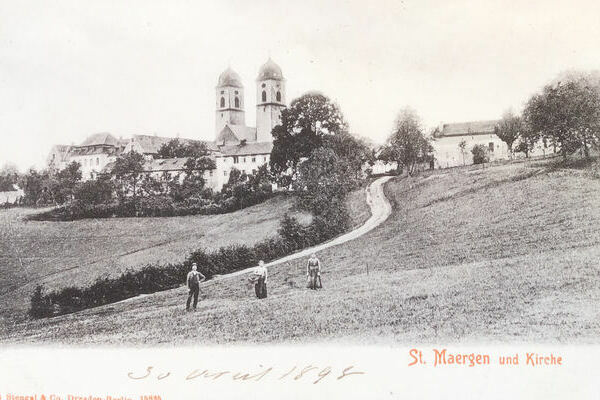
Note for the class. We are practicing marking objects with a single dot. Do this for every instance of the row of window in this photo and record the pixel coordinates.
(236, 159)
(236, 101)
(264, 96)
(90, 162)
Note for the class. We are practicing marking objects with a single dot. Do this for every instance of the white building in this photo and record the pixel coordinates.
(447, 139)
(235, 146)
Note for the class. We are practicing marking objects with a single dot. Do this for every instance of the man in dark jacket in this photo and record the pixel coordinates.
(194, 278)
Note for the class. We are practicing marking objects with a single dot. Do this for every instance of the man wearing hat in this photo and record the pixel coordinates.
(194, 277)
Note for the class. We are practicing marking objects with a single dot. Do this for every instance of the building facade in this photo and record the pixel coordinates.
(448, 137)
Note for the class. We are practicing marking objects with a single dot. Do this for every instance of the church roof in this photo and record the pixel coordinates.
(232, 133)
(229, 78)
(469, 128)
(246, 149)
(150, 144)
(100, 139)
(270, 70)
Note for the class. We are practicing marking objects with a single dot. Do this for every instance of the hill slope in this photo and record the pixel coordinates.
(505, 254)
(59, 254)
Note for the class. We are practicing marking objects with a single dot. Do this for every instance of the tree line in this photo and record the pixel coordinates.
(563, 115)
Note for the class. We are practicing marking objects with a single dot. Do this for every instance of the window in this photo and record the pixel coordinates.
(264, 96)
(237, 102)
(265, 158)
(278, 96)
(236, 92)
(222, 92)
(222, 102)
(210, 172)
(236, 159)
(244, 160)
(263, 85)
(491, 147)
(224, 173)
(253, 159)
(97, 161)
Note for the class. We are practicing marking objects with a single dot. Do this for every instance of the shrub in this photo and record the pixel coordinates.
(480, 155)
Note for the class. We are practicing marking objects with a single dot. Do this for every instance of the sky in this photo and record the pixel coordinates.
(69, 69)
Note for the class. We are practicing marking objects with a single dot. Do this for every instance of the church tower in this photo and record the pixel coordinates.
(270, 100)
(229, 101)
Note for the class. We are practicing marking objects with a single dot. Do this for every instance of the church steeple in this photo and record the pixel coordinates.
(270, 99)
(229, 100)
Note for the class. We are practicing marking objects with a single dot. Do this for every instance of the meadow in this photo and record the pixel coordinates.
(60, 254)
(503, 254)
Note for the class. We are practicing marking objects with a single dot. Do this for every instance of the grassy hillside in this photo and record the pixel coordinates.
(75, 253)
(508, 253)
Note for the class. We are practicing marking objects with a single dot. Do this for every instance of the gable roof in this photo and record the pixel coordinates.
(232, 133)
(150, 144)
(469, 128)
(247, 149)
(244, 132)
(100, 139)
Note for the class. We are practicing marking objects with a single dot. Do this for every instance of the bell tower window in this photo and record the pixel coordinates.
(237, 102)
(264, 96)
(278, 96)
(222, 102)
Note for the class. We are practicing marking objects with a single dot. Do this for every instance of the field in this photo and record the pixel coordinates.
(505, 254)
(76, 253)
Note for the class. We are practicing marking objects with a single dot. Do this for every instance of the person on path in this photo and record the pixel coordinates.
(313, 272)
(194, 277)
(260, 285)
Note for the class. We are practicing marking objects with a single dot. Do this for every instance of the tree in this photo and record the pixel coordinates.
(462, 146)
(527, 140)
(97, 191)
(508, 129)
(304, 124)
(63, 183)
(128, 170)
(9, 175)
(176, 148)
(35, 185)
(567, 113)
(480, 155)
(407, 144)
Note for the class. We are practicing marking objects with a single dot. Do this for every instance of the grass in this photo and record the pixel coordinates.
(509, 254)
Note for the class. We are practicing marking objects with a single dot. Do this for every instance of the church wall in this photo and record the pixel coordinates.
(229, 114)
(224, 165)
(268, 112)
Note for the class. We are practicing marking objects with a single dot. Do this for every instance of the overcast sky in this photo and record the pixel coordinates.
(72, 68)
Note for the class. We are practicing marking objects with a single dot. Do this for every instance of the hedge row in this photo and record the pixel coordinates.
(153, 206)
(152, 278)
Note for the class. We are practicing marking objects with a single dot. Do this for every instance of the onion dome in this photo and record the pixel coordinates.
(229, 78)
(270, 70)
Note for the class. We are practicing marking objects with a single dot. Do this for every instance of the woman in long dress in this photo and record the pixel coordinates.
(313, 272)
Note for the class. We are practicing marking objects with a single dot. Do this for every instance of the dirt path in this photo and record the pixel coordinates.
(380, 211)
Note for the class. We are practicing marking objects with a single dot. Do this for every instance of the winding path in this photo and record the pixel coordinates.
(380, 211)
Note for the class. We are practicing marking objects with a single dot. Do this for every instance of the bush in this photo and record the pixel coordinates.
(480, 155)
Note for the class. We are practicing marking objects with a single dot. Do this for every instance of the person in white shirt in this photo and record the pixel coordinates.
(260, 285)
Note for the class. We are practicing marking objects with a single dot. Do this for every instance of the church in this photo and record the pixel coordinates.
(235, 144)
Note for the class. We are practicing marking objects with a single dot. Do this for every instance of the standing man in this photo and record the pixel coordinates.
(313, 272)
(194, 277)
(260, 286)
